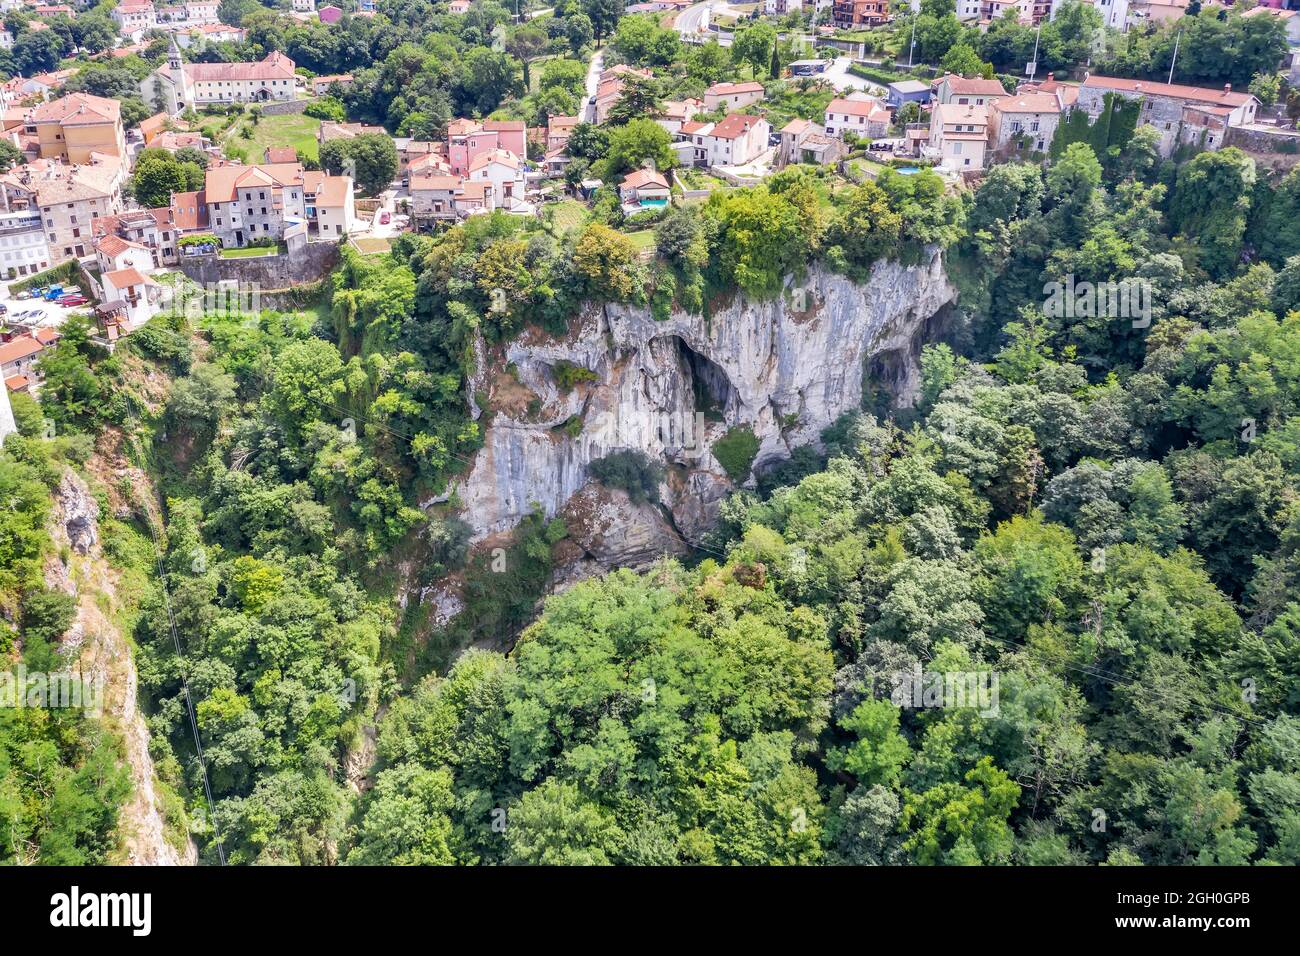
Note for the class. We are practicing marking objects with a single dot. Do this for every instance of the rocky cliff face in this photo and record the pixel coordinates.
(785, 368)
(104, 654)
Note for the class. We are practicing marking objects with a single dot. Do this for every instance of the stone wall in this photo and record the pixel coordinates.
(271, 273)
(283, 107)
(1264, 139)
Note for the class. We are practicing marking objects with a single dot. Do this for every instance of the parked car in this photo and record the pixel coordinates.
(74, 299)
(23, 295)
(384, 217)
(53, 292)
(4, 309)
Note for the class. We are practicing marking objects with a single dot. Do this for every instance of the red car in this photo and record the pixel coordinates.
(73, 299)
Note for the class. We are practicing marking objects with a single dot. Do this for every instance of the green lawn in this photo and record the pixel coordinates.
(371, 245)
(252, 252)
(293, 129)
(568, 214)
(644, 241)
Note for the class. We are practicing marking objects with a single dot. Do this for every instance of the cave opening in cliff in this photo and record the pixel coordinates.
(709, 383)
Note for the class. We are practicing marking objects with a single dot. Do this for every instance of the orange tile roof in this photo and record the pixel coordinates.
(221, 182)
(78, 109)
(152, 126)
(853, 107)
(735, 125)
(189, 210)
(975, 86)
(726, 89)
(19, 348)
(1224, 97)
(642, 178)
(125, 278)
(112, 245)
(1028, 103)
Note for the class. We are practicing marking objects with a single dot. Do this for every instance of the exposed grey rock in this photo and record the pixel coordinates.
(787, 368)
(614, 531)
(79, 513)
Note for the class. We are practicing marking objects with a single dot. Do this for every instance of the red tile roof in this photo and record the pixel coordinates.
(1224, 97)
(734, 126)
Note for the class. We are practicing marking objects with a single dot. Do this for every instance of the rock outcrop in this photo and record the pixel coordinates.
(785, 368)
(104, 655)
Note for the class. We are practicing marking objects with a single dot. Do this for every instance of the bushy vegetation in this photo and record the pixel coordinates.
(631, 471)
(62, 782)
(735, 452)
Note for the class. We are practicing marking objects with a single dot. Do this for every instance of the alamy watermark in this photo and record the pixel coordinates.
(932, 689)
(213, 298)
(1125, 299)
(680, 431)
(59, 690)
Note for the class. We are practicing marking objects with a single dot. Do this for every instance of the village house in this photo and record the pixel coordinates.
(860, 13)
(43, 85)
(321, 85)
(329, 202)
(134, 19)
(907, 91)
(249, 203)
(609, 89)
(112, 253)
(803, 141)
(959, 136)
(1024, 121)
(132, 293)
(76, 126)
(179, 85)
(643, 189)
(69, 198)
(468, 139)
(504, 170)
(23, 249)
(198, 36)
(184, 15)
(677, 112)
(413, 152)
(966, 91)
(151, 127)
(1144, 12)
(859, 114)
(149, 228)
(732, 96)
(18, 359)
(559, 129)
(737, 140)
(186, 216)
(1181, 114)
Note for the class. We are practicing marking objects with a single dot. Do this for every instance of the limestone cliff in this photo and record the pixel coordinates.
(786, 368)
(104, 654)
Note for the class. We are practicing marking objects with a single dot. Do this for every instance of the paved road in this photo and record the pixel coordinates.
(693, 19)
(838, 76)
(593, 81)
